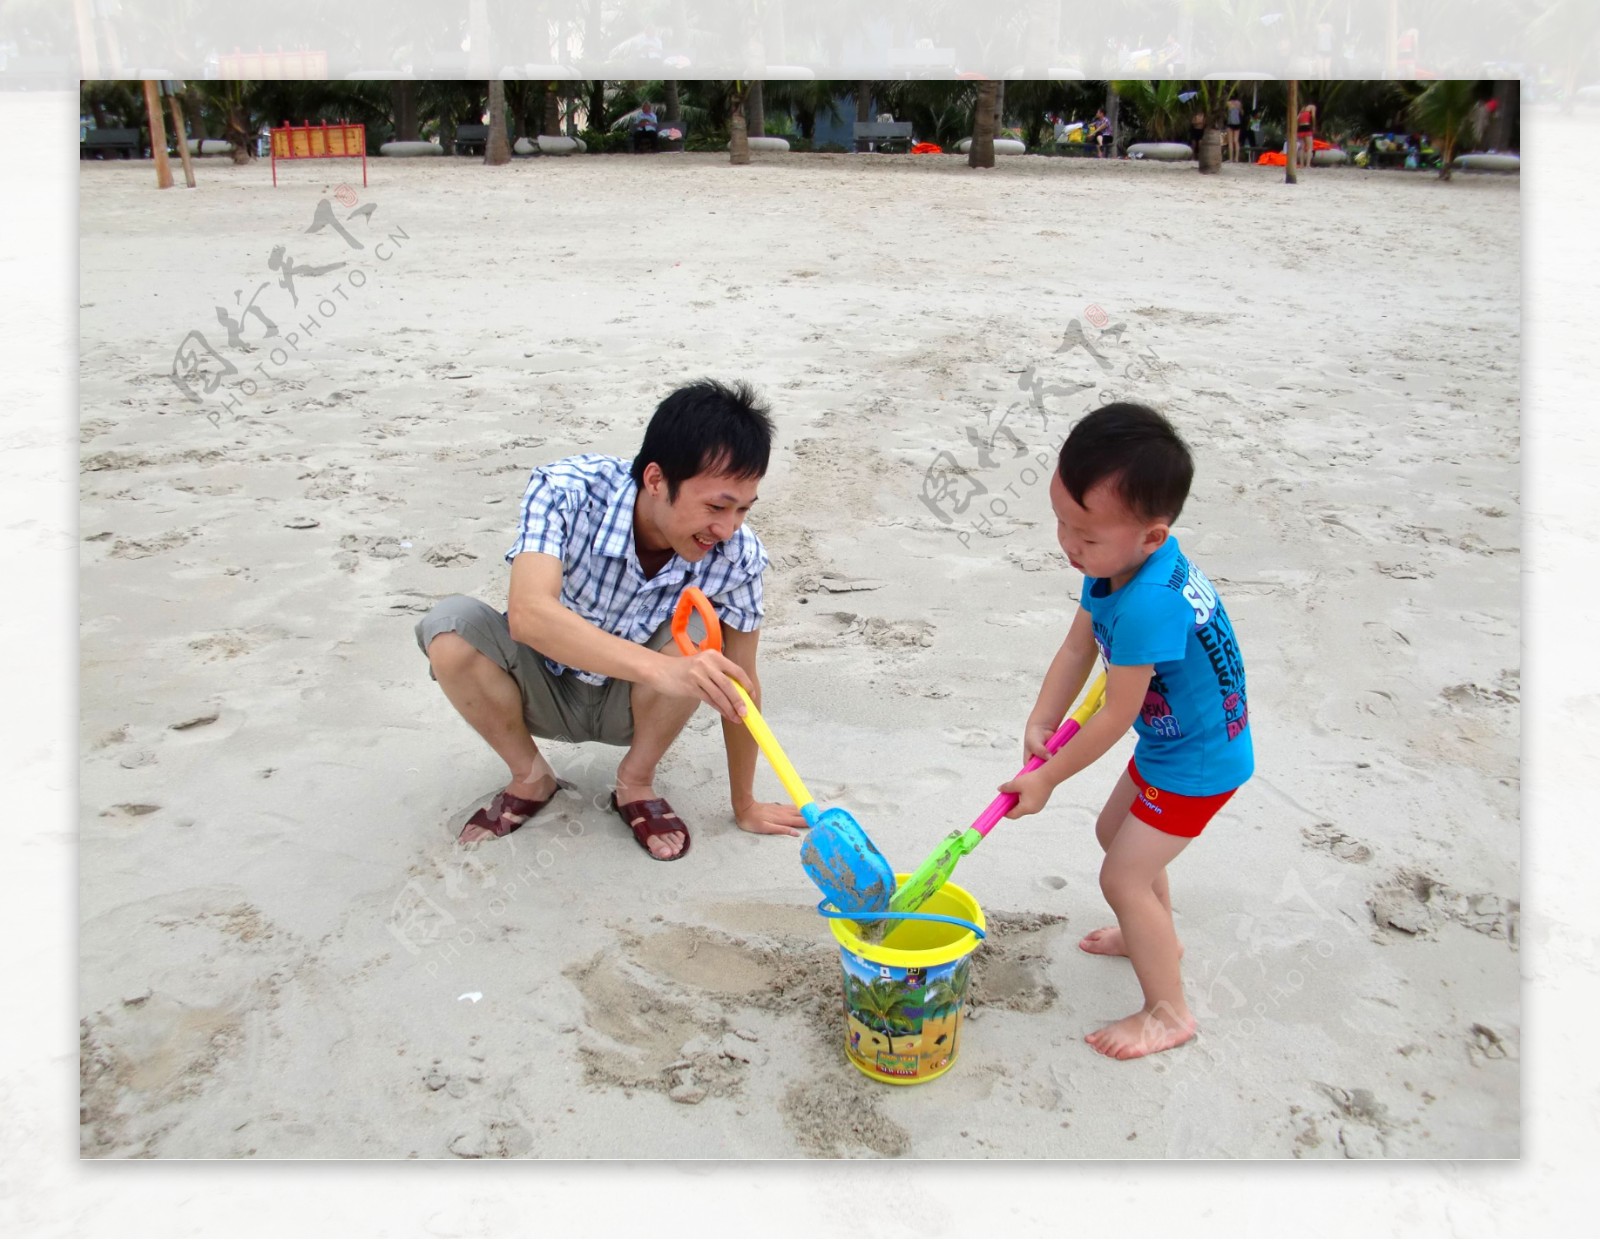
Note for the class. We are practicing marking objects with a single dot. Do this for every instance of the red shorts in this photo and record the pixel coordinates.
(1173, 812)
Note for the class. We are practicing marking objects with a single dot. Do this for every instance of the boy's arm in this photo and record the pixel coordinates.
(1125, 693)
(538, 619)
(1069, 672)
(757, 817)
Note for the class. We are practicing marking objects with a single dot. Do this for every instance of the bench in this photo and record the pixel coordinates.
(98, 143)
(884, 135)
(472, 139)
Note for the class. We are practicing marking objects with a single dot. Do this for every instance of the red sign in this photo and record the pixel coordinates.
(337, 141)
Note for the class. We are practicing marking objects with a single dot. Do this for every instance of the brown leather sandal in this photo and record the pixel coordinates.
(647, 819)
(504, 814)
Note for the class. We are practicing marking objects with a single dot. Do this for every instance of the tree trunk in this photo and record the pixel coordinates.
(498, 148)
(597, 107)
(403, 100)
(552, 111)
(1506, 100)
(447, 130)
(1293, 142)
(1113, 107)
(197, 115)
(755, 112)
(738, 134)
(863, 101)
(674, 116)
(1210, 153)
(981, 153)
(999, 107)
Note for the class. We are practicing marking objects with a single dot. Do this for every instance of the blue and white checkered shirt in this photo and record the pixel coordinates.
(580, 510)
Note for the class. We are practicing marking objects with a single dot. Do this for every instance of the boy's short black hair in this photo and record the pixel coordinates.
(1135, 448)
(707, 425)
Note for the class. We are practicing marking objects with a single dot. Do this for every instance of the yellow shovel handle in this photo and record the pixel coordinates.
(1092, 701)
(694, 599)
(787, 775)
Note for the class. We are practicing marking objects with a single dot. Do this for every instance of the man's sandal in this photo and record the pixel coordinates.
(648, 819)
(504, 814)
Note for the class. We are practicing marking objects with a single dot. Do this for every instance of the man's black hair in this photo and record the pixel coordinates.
(1138, 451)
(703, 426)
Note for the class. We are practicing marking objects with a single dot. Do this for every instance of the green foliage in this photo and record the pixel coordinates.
(883, 1004)
(703, 140)
(942, 998)
(1157, 112)
(612, 142)
(938, 111)
(1444, 112)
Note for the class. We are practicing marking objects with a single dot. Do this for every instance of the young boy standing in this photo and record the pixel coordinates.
(1173, 673)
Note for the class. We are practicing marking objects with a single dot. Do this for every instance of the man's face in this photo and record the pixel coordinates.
(709, 509)
(1102, 537)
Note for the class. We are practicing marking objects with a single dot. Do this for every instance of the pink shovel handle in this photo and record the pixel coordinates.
(1007, 801)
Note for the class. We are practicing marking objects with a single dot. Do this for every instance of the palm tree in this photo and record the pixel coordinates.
(881, 1004)
(1214, 98)
(961, 977)
(406, 120)
(1444, 112)
(1291, 144)
(1162, 116)
(939, 112)
(738, 134)
(232, 100)
(807, 101)
(498, 149)
(942, 998)
(981, 153)
(756, 111)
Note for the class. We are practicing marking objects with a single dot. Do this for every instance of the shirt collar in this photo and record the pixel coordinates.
(614, 539)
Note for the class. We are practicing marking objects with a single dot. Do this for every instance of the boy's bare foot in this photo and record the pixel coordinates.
(1143, 1033)
(1107, 941)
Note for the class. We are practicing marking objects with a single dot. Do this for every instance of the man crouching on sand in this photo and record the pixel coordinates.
(584, 651)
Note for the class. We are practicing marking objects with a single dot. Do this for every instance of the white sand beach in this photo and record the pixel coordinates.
(283, 953)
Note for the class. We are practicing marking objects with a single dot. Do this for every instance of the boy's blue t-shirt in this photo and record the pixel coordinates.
(1194, 728)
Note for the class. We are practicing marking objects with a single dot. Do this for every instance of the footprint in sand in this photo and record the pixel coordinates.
(886, 634)
(1329, 838)
(139, 549)
(1052, 882)
(130, 809)
(448, 555)
(974, 738)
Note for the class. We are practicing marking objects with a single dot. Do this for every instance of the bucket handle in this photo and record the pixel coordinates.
(827, 911)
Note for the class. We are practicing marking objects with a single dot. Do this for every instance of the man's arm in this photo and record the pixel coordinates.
(538, 619)
(759, 817)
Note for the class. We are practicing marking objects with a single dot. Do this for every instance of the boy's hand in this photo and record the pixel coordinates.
(1035, 742)
(1032, 792)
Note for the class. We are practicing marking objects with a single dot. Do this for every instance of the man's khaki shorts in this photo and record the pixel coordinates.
(558, 707)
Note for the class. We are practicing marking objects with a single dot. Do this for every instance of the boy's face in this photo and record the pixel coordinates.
(709, 509)
(1102, 537)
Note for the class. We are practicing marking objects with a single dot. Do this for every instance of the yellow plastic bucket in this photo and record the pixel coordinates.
(903, 997)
